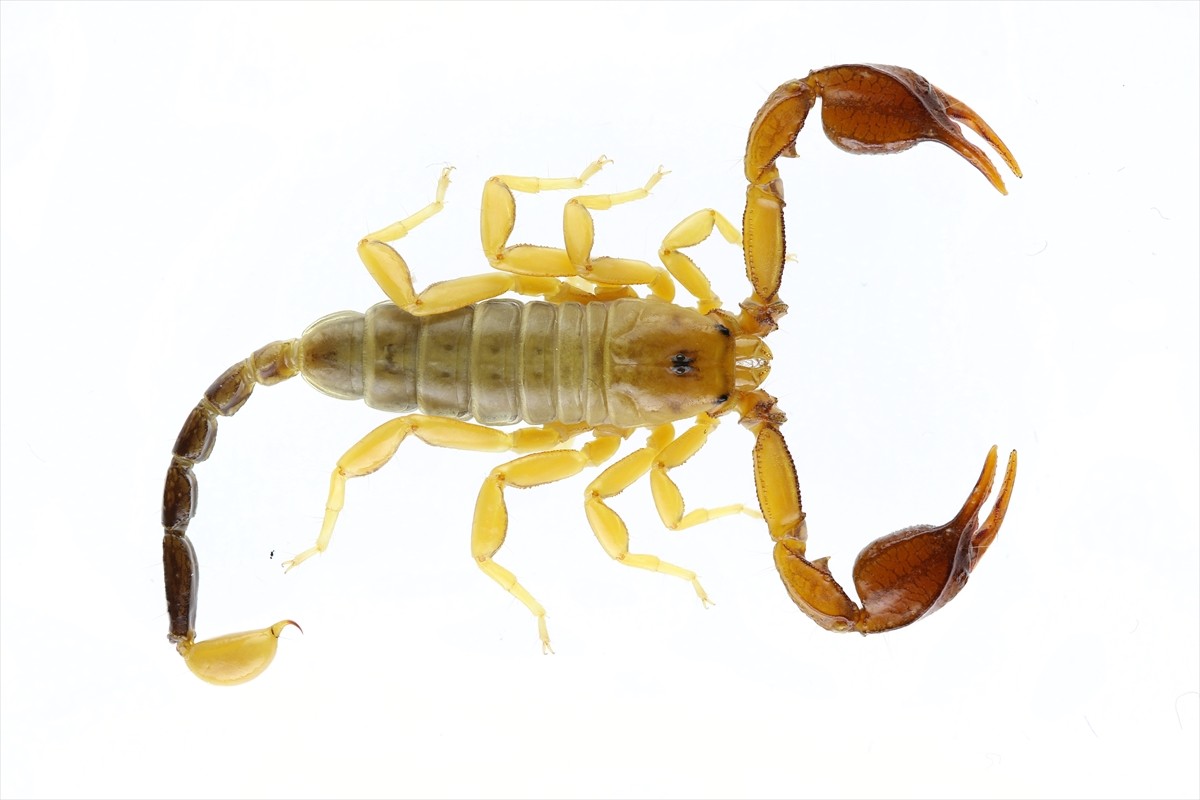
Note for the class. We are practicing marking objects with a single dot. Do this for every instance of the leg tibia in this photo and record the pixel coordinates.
(389, 270)
(497, 216)
(684, 270)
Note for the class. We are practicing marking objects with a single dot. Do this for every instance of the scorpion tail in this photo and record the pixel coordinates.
(239, 657)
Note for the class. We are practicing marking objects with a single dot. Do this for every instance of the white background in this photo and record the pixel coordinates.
(185, 183)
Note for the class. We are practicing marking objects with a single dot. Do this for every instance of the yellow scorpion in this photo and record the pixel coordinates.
(593, 356)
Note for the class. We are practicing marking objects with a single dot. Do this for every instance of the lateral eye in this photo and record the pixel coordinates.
(722, 399)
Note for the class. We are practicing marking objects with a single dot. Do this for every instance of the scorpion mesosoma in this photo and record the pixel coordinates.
(592, 356)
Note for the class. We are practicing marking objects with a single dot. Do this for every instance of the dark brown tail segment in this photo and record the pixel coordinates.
(269, 365)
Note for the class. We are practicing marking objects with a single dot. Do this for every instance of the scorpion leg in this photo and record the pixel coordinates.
(611, 530)
(692, 231)
(377, 448)
(391, 272)
(491, 514)
(667, 497)
(900, 577)
(575, 261)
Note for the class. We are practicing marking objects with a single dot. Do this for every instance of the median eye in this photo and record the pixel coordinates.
(681, 363)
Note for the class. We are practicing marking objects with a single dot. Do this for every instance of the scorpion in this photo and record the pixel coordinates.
(592, 356)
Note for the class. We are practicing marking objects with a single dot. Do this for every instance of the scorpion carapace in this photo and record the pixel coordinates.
(594, 356)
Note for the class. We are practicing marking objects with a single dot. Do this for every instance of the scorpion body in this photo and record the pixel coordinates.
(627, 362)
(592, 356)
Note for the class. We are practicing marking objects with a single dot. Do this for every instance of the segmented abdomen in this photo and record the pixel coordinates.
(498, 361)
